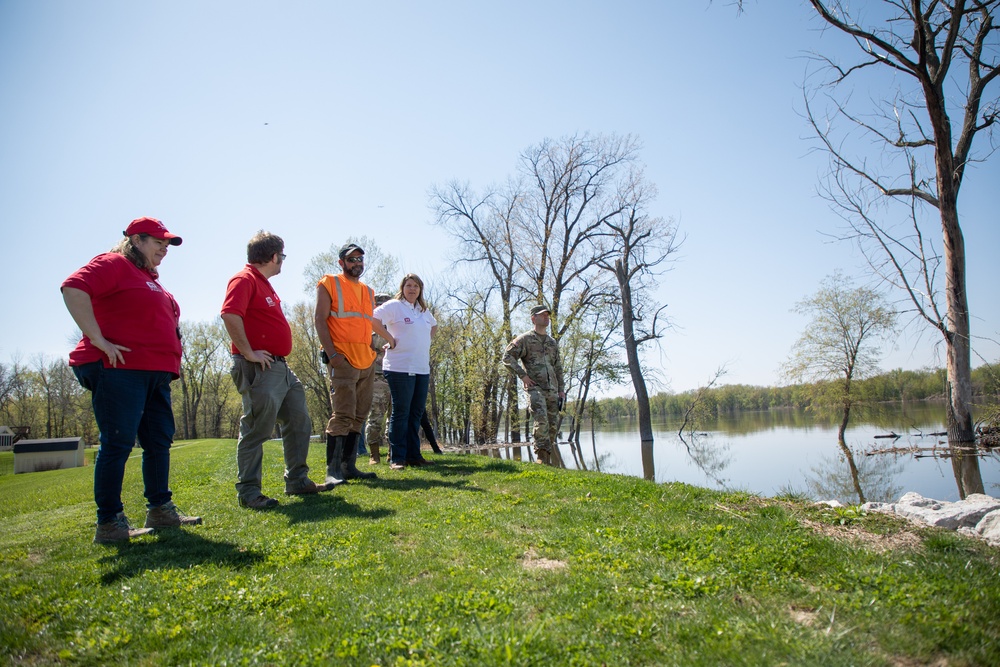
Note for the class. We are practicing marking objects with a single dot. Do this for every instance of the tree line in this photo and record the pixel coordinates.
(896, 385)
(43, 393)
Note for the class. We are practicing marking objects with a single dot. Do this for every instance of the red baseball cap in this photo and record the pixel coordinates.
(154, 228)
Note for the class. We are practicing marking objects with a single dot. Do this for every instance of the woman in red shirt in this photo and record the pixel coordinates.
(129, 354)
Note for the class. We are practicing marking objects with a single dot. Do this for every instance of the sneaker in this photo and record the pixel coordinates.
(261, 502)
(119, 530)
(167, 516)
(397, 466)
(301, 487)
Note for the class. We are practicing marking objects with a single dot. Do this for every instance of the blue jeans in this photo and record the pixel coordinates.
(129, 405)
(409, 397)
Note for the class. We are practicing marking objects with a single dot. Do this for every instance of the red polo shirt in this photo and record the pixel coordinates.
(133, 310)
(250, 296)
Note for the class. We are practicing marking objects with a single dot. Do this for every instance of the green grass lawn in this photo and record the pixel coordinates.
(481, 561)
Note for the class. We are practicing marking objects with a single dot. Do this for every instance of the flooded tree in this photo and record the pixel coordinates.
(899, 126)
(639, 246)
(842, 340)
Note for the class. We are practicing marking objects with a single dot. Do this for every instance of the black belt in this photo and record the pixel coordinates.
(273, 358)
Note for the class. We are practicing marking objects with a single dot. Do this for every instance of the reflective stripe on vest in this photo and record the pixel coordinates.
(341, 313)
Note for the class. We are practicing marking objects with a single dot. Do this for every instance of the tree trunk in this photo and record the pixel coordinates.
(850, 463)
(632, 354)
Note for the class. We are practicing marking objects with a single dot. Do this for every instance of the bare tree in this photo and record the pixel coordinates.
(695, 411)
(573, 192)
(540, 237)
(639, 248)
(903, 158)
(488, 230)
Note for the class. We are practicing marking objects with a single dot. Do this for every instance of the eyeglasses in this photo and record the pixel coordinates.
(282, 256)
(354, 260)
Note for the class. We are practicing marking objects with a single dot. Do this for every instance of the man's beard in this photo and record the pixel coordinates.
(355, 270)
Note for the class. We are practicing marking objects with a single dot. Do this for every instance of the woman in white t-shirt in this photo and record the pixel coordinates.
(407, 368)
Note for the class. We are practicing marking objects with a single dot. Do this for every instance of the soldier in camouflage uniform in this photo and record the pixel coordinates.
(542, 376)
(381, 399)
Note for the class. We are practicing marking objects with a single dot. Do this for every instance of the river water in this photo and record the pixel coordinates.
(768, 453)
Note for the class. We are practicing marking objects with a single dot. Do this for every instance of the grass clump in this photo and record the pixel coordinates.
(480, 561)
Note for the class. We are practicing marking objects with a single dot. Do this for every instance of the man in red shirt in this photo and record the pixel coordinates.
(271, 392)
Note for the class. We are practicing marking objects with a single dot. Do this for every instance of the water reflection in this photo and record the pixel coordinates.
(774, 452)
(871, 478)
(712, 458)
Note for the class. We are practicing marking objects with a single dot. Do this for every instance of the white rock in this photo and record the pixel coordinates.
(962, 514)
(988, 528)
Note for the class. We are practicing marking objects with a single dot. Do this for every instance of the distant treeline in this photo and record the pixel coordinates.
(895, 385)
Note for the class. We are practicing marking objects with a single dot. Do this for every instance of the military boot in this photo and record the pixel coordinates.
(350, 469)
(334, 455)
(374, 456)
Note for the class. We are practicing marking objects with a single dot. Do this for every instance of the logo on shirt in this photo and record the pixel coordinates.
(270, 301)
(407, 320)
(153, 286)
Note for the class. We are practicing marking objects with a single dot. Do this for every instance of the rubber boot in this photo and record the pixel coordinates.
(350, 469)
(334, 455)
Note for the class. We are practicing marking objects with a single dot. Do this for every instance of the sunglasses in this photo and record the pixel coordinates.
(354, 260)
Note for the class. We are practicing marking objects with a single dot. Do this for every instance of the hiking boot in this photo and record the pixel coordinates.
(167, 516)
(118, 530)
(303, 487)
(261, 502)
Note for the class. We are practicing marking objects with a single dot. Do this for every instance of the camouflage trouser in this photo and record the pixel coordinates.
(545, 414)
(381, 401)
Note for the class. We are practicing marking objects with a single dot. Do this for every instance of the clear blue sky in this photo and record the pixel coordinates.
(320, 120)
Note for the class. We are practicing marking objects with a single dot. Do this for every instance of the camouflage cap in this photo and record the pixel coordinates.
(539, 309)
(381, 298)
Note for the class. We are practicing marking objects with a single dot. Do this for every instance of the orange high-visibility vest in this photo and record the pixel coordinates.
(350, 319)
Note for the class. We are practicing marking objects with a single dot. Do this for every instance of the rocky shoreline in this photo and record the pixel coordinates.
(977, 515)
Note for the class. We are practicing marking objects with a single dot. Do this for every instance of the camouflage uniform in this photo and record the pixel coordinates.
(381, 402)
(539, 354)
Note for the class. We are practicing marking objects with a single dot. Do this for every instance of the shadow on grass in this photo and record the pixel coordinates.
(459, 467)
(172, 548)
(424, 483)
(323, 506)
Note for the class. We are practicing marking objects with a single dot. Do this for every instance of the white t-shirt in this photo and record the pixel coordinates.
(411, 328)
